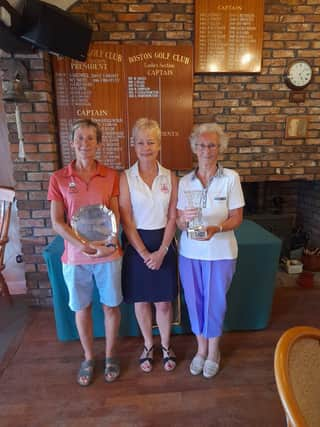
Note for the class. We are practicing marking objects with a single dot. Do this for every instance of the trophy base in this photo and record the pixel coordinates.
(196, 234)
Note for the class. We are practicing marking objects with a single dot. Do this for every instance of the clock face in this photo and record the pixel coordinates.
(299, 74)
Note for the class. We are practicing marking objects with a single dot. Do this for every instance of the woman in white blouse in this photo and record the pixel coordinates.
(207, 264)
(148, 197)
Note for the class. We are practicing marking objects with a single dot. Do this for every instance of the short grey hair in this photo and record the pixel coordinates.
(146, 124)
(86, 123)
(198, 130)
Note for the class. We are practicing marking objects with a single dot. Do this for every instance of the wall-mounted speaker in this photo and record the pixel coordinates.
(11, 43)
(10, 21)
(49, 28)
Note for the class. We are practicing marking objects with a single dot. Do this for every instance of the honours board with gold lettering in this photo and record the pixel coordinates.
(119, 84)
(228, 36)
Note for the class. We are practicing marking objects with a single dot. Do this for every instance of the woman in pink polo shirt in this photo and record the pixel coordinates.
(85, 182)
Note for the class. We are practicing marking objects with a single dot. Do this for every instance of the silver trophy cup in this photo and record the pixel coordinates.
(196, 227)
(95, 223)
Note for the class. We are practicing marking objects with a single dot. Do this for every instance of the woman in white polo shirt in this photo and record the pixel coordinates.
(207, 264)
(148, 198)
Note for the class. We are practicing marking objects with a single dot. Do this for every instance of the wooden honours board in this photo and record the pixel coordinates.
(228, 36)
(119, 84)
(93, 89)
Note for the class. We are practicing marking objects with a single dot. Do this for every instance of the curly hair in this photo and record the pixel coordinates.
(198, 130)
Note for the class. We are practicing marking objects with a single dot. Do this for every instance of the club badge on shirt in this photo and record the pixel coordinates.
(164, 185)
(72, 187)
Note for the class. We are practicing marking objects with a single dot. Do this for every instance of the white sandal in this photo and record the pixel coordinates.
(211, 367)
(196, 365)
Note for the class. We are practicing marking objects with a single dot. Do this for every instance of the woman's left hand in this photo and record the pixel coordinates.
(101, 249)
(154, 261)
(211, 231)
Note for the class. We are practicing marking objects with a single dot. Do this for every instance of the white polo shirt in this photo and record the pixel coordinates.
(149, 205)
(222, 194)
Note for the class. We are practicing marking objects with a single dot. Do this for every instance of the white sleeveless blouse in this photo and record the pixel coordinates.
(149, 205)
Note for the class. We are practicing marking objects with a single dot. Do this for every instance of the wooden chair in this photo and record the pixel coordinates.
(6, 199)
(297, 373)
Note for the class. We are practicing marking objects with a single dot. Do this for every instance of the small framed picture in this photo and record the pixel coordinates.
(296, 127)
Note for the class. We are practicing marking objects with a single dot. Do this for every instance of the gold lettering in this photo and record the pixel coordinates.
(230, 7)
(95, 53)
(162, 55)
(140, 57)
(77, 66)
(114, 56)
(92, 113)
(150, 65)
(156, 72)
(101, 54)
(170, 133)
(180, 58)
(166, 65)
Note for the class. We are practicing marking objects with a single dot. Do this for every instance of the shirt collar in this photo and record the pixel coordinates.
(219, 173)
(135, 169)
(70, 171)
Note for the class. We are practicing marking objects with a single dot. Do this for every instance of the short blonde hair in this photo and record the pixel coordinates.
(146, 124)
(198, 130)
(86, 123)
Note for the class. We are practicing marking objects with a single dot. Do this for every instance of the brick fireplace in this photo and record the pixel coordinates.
(280, 207)
(283, 173)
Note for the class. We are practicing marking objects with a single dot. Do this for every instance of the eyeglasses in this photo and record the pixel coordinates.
(208, 146)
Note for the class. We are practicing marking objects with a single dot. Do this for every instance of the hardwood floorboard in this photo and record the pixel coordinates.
(38, 388)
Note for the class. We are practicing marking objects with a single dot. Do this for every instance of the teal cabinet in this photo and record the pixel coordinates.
(249, 298)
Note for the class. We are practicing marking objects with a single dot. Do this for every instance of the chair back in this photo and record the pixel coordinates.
(6, 199)
(297, 373)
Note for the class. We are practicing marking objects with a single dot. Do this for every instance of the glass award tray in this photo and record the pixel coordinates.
(94, 223)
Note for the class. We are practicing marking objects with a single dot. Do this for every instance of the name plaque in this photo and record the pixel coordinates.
(228, 36)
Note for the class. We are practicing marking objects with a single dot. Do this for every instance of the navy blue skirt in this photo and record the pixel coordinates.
(139, 283)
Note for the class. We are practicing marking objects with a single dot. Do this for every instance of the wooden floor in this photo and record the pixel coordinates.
(38, 388)
(13, 319)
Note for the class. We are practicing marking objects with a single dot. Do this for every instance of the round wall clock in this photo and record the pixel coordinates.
(298, 74)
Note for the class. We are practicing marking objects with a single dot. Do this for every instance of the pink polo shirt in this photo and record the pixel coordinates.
(66, 186)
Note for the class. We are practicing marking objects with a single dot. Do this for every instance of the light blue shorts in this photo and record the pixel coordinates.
(80, 281)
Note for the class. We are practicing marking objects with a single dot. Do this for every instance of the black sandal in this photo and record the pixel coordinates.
(168, 358)
(147, 358)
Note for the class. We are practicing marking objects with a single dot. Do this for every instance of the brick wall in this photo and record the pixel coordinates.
(31, 176)
(252, 108)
